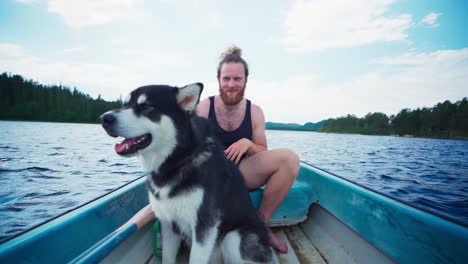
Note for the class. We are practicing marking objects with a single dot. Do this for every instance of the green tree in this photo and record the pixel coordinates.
(22, 99)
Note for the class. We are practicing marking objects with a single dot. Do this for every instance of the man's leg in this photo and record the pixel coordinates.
(277, 169)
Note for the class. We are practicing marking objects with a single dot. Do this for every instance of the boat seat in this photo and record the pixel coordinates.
(294, 207)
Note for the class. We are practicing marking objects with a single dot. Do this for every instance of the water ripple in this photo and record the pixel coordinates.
(118, 165)
(32, 169)
(429, 174)
(50, 171)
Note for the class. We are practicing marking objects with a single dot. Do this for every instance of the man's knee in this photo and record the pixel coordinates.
(291, 162)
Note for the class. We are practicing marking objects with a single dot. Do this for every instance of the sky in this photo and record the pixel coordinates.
(309, 60)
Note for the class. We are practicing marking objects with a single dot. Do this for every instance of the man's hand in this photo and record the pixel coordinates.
(237, 150)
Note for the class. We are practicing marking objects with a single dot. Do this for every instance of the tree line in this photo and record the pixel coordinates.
(22, 99)
(444, 120)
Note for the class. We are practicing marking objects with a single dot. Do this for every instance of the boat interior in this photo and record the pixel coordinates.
(321, 238)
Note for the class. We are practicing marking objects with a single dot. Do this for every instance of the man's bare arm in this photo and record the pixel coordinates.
(259, 140)
(203, 108)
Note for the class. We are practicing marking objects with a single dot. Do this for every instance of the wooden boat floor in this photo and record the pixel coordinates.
(301, 250)
(321, 238)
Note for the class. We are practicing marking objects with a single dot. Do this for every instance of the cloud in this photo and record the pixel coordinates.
(431, 19)
(328, 24)
(291, 100)
(159, 57)
(73, 50)
(83, 13)
(415, 80)
(27, 2)
(441, 57)
(109, 80)
(11, 50)
(409, 80)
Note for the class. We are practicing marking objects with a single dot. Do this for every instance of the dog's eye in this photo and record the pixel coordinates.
(145, 106)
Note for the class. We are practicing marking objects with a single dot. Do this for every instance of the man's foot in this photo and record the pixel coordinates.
(278, 243)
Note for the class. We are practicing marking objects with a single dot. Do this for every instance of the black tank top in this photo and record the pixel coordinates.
(226, 137)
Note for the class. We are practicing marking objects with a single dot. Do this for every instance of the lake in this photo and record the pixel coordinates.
(47, 169)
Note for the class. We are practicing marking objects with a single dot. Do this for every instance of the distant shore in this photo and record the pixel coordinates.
(273, 129)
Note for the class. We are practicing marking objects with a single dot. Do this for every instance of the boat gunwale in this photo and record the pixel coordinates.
(391, 226)
(445, 217)
(326, 178)
(24, 232)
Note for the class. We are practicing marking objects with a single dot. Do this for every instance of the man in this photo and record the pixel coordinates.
(240, 126)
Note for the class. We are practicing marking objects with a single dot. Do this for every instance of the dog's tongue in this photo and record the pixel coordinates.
(124, 145)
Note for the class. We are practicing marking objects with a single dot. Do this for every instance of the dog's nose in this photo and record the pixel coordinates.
(107, 119)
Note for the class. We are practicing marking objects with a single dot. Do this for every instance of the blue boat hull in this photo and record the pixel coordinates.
(397, 231)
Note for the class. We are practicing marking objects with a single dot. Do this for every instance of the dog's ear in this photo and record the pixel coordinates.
(189, 96)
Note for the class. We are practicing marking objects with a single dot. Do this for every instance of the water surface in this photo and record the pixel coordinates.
(49, 168)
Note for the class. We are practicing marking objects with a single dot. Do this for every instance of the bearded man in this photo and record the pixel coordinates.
(240, 126)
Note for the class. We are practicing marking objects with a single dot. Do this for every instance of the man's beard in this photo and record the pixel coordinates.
(229, 100)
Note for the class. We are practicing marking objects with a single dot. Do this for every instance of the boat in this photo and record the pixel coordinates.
(324, 219)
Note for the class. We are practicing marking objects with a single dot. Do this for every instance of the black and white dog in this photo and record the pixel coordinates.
(195, 191)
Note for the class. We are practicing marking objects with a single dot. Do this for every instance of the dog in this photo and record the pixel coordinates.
(198, 195)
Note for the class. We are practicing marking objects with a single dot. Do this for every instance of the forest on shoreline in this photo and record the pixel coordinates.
(444, 120)
(27, 100)
(22, 99)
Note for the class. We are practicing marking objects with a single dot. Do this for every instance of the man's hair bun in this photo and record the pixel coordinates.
(236, 51)
(233, 54)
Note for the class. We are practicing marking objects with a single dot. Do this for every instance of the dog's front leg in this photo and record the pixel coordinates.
(170, 243)
(203, 245)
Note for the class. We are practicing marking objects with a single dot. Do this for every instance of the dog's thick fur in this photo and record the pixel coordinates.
(196, 192)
